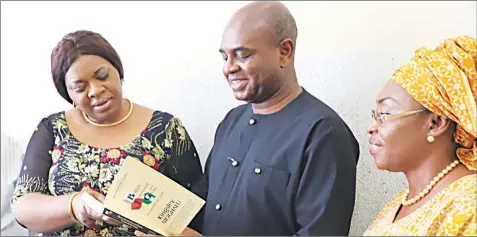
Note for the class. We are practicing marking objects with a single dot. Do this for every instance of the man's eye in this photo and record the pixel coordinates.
(243, 57)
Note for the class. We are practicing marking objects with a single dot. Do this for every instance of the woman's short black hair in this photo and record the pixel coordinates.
(72, 46)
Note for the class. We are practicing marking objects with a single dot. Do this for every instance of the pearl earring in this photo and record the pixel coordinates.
(430, 139)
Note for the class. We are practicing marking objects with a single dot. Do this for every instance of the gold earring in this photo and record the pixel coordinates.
(74, 105)
(431, 139)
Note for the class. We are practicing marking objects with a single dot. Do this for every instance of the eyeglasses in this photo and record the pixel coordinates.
(380, 118)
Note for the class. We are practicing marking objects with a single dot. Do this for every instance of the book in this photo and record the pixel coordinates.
(146, 200)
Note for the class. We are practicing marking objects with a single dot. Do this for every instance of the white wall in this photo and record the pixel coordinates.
(346, 52)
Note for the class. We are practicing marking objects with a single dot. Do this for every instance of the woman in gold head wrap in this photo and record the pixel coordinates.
(425, 126)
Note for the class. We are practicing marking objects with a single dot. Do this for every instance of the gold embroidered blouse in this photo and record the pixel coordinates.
(451, 212)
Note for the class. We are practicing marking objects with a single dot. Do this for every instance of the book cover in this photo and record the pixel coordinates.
(145, 199)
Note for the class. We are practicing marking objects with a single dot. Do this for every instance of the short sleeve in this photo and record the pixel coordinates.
(33, 177)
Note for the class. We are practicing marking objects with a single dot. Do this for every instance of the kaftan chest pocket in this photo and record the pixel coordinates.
(267, 178)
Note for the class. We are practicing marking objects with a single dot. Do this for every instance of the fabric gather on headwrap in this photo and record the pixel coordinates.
(444, 81)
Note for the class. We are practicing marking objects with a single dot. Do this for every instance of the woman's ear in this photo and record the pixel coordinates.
(438, 125)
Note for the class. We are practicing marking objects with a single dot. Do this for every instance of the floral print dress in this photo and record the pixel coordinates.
(56, 163)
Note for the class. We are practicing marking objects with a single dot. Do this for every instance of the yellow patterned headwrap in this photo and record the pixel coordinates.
(444, 81)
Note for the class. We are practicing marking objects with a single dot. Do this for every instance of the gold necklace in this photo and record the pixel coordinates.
(426, 191)
(111, 124)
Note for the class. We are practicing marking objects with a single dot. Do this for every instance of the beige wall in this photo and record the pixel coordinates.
(346, 52)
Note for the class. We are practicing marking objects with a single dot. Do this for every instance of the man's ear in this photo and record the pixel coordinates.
(286, 50)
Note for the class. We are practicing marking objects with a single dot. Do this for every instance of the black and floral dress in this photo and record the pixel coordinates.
(56, 163)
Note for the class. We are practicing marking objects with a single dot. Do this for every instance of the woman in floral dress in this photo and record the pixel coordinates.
(81, 150)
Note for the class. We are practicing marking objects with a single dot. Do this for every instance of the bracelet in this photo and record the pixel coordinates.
(72, 215)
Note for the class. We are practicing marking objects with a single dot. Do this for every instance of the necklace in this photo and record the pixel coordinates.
(111, 124)
(406, 202)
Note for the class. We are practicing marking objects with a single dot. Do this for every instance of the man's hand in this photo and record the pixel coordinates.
(187, 232)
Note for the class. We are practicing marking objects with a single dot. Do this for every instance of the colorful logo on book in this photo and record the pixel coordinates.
(136, 202)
